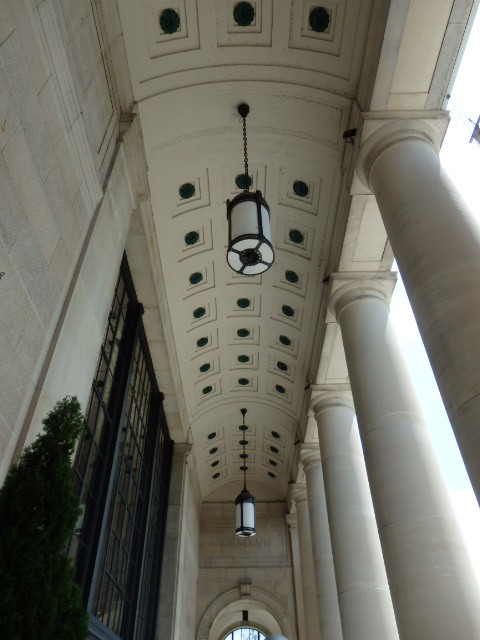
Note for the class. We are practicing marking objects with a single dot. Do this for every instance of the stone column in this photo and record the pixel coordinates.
(434, 590)
(436, 242)
(171, 550)
(306, 562)
(297, 574)
(363, 593)
(326, 587)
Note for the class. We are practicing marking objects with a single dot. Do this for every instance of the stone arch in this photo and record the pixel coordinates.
(264, 599)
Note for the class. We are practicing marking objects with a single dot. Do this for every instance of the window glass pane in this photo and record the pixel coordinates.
(245, 633)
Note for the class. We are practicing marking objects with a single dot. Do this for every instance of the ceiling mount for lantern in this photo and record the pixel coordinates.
(243, 109)
(250, 250)
(245, 502)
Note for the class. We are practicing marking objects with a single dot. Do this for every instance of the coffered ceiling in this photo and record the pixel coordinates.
(279, 45)
(242, 341)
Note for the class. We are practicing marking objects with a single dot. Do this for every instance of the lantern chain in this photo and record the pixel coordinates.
(244, 457)
(245, 155)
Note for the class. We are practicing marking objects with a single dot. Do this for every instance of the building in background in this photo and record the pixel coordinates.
(120, 145)
(476, 132)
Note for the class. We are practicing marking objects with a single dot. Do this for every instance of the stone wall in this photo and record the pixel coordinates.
(58, 129)
(83, 31)
(251, 566)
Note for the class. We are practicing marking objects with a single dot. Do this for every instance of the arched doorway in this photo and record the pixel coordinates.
(266, 614)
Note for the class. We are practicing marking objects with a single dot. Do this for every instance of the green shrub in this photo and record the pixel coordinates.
(38, 511)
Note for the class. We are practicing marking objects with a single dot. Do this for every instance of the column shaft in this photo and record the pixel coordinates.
(434, 591)
(326, 588)
(306, 563)
(436, 241)
(363, 592)
(166, 620)
(297, 575)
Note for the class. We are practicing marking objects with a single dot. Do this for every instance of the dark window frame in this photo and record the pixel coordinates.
(124, 375)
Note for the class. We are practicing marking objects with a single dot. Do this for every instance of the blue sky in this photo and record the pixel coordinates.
(462, 162)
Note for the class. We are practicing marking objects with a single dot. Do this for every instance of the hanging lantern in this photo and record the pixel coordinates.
(250, 249)
(245, 514)
(245, 502)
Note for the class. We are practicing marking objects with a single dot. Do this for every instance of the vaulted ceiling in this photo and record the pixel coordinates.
(244, 341)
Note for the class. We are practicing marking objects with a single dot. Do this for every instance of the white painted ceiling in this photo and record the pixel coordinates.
(299, 85)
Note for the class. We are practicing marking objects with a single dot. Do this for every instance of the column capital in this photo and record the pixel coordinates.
(310, 455)
(299, 493)
(328, 397)
(380, 131)
(348, 287)
(292, 521)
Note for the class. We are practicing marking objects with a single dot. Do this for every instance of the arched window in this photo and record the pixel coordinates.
(245, 633)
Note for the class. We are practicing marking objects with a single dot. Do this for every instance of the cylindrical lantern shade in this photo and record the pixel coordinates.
(250, 249)
(245, 514)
